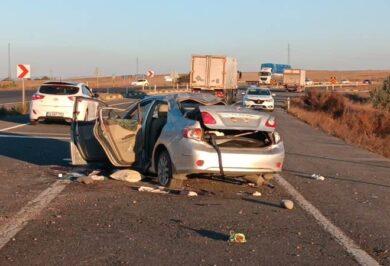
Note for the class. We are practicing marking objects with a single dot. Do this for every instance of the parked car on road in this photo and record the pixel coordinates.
(259, 98)
(55, 100)
(345, 81)
(176, 135)
(309, 82)
(140, 83)
(367, 81)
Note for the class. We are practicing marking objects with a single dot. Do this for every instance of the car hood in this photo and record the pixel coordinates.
(258, 97)
(237, 118)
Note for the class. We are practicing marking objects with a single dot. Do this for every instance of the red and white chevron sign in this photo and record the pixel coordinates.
(150, 74)
(23, 71)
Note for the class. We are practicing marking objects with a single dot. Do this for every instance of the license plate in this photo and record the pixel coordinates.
(54, 114)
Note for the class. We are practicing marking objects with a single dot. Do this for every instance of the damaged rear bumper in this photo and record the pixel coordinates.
(203, 158)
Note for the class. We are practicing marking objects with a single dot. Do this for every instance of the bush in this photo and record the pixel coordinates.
(332, 103)
(380, 97)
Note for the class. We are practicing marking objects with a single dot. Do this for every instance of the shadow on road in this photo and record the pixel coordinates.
(39, 151)
(263, 202)
(308, 176)
(21, 119)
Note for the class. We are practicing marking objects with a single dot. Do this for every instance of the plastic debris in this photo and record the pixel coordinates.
(192, 194)
(159, 190)
(86, 180)
(70, 176)
(237, 237)
(287, 204)
(317, 177)
(96, 177)
(256, 194)
(127, 175)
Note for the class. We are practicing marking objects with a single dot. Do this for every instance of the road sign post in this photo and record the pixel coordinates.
(23, 71)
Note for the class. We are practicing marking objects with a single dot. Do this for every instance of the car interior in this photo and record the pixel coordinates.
(155, 125)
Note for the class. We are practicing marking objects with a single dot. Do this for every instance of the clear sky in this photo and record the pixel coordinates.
(72, 37)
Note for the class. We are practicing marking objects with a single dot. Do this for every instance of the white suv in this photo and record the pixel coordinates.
(140, 83)
(55, 100)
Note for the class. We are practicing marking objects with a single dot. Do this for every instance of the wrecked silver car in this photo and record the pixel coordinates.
(176, 135)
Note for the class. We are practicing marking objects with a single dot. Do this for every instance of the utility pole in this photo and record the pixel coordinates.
(137, 67)
(9, 61)
(288, 54)
(97, 77)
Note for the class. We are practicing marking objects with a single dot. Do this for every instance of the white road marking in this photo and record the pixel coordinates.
(33, 137)
(30, 211)
(362, 257)
(9, 128)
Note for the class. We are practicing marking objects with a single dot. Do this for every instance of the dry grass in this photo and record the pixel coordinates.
(356, 124)
(15, 109)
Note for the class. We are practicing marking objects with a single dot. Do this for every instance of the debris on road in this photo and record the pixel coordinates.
(127, 175)
(159, 190)
(317, 177)
(237, 237)
(256, 194)
(189, 193)
(85, 180)
(287, 204)
(70, 176)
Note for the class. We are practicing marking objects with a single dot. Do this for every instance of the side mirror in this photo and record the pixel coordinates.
(273, 94)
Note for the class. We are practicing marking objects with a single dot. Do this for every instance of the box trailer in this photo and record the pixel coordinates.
(214, 74)
(294, 79)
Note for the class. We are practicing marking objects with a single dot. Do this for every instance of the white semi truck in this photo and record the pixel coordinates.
(214, 74)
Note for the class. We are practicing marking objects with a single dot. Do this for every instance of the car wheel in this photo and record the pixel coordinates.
(164, 168)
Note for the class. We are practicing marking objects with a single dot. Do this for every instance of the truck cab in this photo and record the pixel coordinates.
(265, 75)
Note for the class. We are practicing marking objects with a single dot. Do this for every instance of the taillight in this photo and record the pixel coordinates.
(219, 94)
(270, 123)
(193, 133)
(37, 97)
(208, 119)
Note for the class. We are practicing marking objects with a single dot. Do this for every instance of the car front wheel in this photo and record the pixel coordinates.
(164, 168)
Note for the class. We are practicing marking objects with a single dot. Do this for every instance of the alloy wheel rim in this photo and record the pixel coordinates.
(163, 171)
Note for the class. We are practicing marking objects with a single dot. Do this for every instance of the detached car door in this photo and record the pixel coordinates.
(84, 146)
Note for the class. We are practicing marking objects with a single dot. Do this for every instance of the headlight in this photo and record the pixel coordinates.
(277, 137)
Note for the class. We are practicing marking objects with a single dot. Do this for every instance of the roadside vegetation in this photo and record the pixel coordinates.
(366, 125)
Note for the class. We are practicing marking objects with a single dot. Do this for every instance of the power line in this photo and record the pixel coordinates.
(288, 54)
(9, 61)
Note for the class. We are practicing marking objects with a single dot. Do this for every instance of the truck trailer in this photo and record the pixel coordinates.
(214, 74)
(272, 74)
(294, 79)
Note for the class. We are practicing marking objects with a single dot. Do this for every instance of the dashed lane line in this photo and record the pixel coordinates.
(13, 127)
(30, 211)
(362, 257)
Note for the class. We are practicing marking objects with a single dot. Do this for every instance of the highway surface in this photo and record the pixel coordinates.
(343, 220)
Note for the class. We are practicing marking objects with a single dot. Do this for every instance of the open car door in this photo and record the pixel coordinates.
(84, 146)
(120, 136)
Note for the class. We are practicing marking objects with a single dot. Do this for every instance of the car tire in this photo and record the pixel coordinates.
(164, 168)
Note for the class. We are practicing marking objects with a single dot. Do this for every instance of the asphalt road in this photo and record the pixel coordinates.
(111, 222)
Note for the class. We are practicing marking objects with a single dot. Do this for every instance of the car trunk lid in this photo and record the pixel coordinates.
(235, 118)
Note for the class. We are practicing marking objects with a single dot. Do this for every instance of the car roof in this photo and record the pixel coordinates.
(203, 98)
(62, 83)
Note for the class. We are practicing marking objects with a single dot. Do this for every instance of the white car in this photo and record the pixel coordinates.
(259, 98)
(55, 100)
(140, 82)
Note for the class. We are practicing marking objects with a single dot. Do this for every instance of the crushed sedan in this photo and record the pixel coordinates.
(176, 135)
